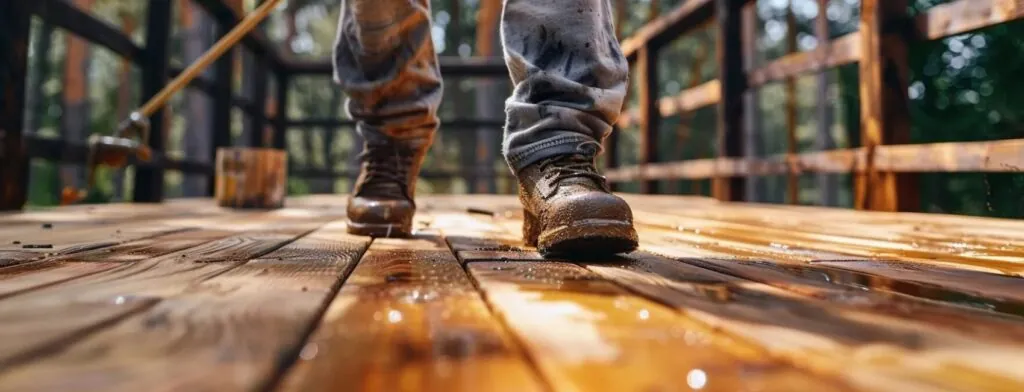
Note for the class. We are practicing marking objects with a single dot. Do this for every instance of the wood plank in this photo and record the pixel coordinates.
(54, 270)
(586, 333)
(964, 16)
(1002, 156)
(650, 119)
(843, 50)
(408, 318)
(886, 347)
(885, 106)
(233, 331)
(688, 100)
(687, 16)
(729, 136)
(855, 247)
(46, 319)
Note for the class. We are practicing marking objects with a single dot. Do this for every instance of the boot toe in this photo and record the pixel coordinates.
(587, 224)
(380, 218)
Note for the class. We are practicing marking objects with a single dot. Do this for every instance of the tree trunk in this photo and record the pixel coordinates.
(198, 32)
(75, 114)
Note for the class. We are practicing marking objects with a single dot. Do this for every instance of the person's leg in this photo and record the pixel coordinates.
(570, 81)
(384, 61)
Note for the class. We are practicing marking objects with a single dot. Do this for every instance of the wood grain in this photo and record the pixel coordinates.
(1002, 156)
(48, 318)
(589, 334)
(408, 318)
(964, 16)
(232, 331)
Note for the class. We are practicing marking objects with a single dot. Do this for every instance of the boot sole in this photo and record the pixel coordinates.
(380, 230)
(588, 238)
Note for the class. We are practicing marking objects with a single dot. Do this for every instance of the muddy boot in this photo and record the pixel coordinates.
(382, 202)
(570, 212)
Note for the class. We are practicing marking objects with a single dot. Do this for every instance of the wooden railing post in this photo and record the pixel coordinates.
(754, 186)
(259, 100)
(650, 115)
(792, 178)
(733, 84)
(14, 38)
(149, 181)
(223, 83)
(885, 109)
(281, 120)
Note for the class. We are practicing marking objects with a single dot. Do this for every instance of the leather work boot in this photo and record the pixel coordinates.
(382, 202)
(569, 210)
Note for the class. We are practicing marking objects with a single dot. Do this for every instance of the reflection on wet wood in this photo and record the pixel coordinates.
(589, 334)
(408, 318)
(723, 296)
(243, 323)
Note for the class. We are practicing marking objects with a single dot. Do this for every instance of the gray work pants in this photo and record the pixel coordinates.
(568, 72)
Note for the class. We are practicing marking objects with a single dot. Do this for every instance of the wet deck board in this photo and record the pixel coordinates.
(720, 297)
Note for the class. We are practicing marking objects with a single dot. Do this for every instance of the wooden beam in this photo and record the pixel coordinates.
(702, 95)
(281, 118)
(149, 181)
(733, 85)
(1003, 156)
(753, 145)
(687, 16)
(223, 91)
(14, 40)
(256, 41)
(841, 51)
(827, 184)
(964, 16)
(63, 14)
(650, 118)
(792, 179)
(885, 107)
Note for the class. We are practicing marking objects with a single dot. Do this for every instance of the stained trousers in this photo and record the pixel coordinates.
(568, 72)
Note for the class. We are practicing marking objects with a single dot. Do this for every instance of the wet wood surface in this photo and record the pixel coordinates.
(720, 297)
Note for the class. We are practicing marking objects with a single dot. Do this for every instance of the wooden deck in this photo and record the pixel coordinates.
(722, 297)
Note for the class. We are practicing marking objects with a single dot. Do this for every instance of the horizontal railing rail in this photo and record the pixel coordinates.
(881, 153)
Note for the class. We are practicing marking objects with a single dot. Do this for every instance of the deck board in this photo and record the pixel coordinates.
(721, 296)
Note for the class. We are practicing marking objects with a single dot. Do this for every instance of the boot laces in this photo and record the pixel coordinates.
(565, 167)
(387, 168)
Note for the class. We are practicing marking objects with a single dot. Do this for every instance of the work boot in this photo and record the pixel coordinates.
(382, 202)
(569, 210)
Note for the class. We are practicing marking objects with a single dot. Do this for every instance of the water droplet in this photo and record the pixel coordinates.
(697, 379)
(120, 300)
(644, 314)
(394, 316)
(309, 351)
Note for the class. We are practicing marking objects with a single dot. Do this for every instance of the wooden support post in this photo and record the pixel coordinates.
(754, 188)
(260, 73)
(650, 115)
(14, 39)
(827, 184)
(223, 81)
(149, 181)
(734, 84)
(885, 108)
(281, 123)
(792, 179)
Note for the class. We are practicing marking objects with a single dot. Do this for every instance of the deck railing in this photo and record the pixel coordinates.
(153, 59)
(882, 166)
